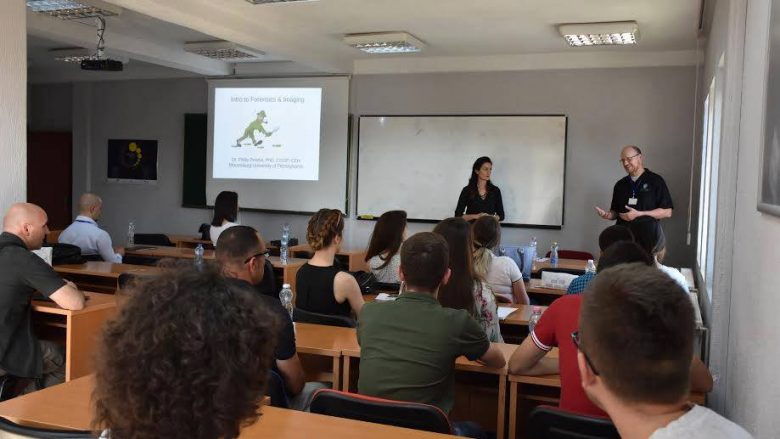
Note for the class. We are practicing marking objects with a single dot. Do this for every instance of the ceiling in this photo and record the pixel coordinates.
(305, 37)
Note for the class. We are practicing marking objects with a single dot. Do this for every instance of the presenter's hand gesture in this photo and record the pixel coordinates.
(631, 215)
(606, 214)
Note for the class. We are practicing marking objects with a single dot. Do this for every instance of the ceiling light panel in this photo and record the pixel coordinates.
(224, 51)
(385, 42)
(71, 54)
(265, 2)
(73, 10)
(618, 33)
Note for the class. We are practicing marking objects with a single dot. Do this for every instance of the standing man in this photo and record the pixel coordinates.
(85, 234)
(22, 274)
(640, 199)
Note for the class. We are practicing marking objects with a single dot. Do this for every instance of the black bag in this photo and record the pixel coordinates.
(365, 280)
(62, 254)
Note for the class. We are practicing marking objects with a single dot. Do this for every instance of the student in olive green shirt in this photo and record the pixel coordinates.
(409, 346)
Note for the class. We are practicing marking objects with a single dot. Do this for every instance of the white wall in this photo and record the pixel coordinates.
(13, 104)
(607, 109)
(753, 395)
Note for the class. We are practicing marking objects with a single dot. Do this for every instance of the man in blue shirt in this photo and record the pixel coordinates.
(608, 236)
(85, 233)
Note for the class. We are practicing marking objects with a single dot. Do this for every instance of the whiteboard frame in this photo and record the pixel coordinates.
(434, 221)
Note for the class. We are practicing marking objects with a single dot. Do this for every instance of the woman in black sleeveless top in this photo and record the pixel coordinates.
(322, 287)
(480, 197)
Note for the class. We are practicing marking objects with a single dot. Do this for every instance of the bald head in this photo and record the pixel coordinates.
(631, 150)
(90, 205)
(28, 222)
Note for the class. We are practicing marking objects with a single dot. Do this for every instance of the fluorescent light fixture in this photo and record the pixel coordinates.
(384, 42)
(224, 51)
(600, 34)
(72, 9)
(265, 2)
(71, 54)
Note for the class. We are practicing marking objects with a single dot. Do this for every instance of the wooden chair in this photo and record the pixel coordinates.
(303, 316)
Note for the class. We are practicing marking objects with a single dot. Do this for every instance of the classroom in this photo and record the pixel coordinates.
(324, 117)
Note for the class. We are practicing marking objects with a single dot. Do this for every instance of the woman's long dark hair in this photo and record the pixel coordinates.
(458, 292)
(387, 236)
(225, 208)
(473, 179)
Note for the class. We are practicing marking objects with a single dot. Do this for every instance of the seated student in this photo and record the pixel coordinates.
(409, 346)
(643, 386)
(322, 286)
(187, 357)
(655, 244)
(22, 274)
(85, 233)
(501, 273)
(382, 254)
(555, 328)
(607, 237)
(465, 290)
(225, 214)
(241, 253)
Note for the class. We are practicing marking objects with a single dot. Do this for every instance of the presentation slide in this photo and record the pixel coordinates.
(266, 133)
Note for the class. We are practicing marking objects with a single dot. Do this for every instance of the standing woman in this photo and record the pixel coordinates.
(383, 255)
(225, 214)
(465, 290)
(322, 286)
(500, 272)
(480, 197)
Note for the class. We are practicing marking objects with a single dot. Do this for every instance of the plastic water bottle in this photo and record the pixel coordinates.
(554, 255)
(284, 251)
(199, 254)
(131, 234)
(590, 267)
(534, 254)
(537, 314)
(286, 296)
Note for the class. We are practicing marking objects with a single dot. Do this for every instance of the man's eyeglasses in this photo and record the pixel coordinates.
(264, 254)
(575, 338)
(628, 159)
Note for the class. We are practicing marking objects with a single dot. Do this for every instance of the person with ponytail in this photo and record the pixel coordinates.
(466, 290)
(500, 272)
(322, 286)
(383, 254)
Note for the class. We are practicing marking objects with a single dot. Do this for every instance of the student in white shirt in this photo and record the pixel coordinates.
(635, 343)
(87, 235)
(225, 214)
(655, 245)
(384, 248)
(500, 272)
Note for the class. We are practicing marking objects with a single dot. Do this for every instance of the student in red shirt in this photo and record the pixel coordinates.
(555, 328)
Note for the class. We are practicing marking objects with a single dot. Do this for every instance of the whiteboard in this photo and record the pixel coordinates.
(421, 163)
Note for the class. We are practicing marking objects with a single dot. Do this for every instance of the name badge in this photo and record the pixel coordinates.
(632, 201)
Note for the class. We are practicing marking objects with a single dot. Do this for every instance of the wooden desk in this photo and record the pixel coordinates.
(521, 316)
(101, 276)
(566, 264)
(190, 241)
(82, 329)
(286, 273)
(67, 406)
(325, 341)
(353, 259)
(463, 365)
(535, 289)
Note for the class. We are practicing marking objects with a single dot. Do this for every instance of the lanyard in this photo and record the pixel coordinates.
(634, 185)
(85, 222)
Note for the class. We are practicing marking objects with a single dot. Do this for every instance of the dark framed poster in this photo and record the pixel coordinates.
(132, 161)
(769, 177)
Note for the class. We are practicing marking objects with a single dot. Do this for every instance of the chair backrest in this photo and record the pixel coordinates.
(10, 430)
(158, 239)
(276, 390)
(12, 386)
(547, 422)
(303, 316)
(573, 254)
(380, 411)
(268, 285)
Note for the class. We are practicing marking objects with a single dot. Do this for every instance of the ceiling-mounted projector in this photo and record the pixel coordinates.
(99, 61)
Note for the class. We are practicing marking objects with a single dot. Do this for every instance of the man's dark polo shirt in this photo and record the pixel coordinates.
(21, 274)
